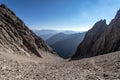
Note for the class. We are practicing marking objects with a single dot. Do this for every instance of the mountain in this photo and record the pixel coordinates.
(84, 49)
(15, 37)
(66, 47)
(55, 38)
(110, 40)
(45, 34)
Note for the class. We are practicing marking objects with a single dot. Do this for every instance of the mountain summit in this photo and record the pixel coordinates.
(118, 14)
(15, 36)
(110, 40)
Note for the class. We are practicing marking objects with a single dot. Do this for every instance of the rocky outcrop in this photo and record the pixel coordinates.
(84, 49)
(16, 37)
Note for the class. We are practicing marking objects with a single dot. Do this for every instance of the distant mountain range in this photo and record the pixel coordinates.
(55, 38)
(45, 34)
(65, 44)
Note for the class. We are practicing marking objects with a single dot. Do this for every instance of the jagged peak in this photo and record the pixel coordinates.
(99, 24)
(102, 21)
(117, 14)
(3, 6)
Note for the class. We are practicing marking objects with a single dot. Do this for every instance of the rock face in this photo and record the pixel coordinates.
(84, 49)
(110, 40)
(16, 37)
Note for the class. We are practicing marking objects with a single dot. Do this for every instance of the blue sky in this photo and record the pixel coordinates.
(77, 15)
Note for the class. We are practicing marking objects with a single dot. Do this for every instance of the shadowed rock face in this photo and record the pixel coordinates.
(84, 49)
(16, 37)
(110, 40)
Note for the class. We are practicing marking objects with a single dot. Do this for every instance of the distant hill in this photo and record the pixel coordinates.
(69, 32)
(45, 34)
(65, 44)
(56, 37)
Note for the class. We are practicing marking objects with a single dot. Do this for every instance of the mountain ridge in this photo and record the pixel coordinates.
(15, 36)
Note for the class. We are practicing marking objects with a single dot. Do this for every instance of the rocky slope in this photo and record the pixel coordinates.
(105, 67)
(15, 37)
(84, 49)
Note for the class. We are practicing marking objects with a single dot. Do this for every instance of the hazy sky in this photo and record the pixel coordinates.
(76, 15)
